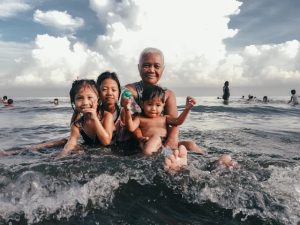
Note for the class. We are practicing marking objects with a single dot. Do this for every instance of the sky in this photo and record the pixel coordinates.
(254, 44)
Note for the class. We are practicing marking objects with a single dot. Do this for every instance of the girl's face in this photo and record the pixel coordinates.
(153, 108)
(151, 68)
(109, 91)
(86, 98)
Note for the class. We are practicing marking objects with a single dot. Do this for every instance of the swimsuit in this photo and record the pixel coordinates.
(87, 139)
(139, 89)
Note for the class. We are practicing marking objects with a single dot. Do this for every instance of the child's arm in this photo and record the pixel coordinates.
(130, 123)
(72, 141)
(104, 132)
(190, 102)
(171, 110)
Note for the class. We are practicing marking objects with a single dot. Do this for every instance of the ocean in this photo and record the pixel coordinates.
(103, 187)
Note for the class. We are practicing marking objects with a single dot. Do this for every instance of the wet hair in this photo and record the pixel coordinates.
(293, 91)
(226, 83)
(108, 75)
(152, 92)
(10, 101)
(147, 51)
(76, 86)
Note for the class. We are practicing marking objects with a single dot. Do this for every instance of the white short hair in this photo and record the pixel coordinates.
(150, 50)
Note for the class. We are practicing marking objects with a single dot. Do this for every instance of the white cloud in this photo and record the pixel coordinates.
(57, 19)
(190, 33)
(10, 8)
(51, 61)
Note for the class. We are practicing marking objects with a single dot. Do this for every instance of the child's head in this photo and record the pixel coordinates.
(10, 101)
(109, 87)
(153, 101)
(293, 91)
(55, 101)
(84, 88)
(4, 97)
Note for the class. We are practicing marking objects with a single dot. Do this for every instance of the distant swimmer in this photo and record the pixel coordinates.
(55, 101)
(250, 97)
(4, 99)
(294, 98)
(265, 99)
(226, 92)
(9, 103)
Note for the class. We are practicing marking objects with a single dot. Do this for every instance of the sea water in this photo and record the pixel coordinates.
(103, 187)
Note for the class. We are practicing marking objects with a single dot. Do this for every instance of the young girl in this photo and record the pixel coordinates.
(151, 122)
(95, 128)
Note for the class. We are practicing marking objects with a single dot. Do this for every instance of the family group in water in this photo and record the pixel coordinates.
(141, 115)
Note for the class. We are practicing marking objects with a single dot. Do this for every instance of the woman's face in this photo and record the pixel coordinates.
(109, 91)
(151, 68)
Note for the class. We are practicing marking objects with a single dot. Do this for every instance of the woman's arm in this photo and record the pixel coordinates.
(171, 110)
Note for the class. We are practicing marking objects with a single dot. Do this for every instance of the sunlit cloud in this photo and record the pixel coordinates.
(191, 35)
(57, 19)
(10, 8)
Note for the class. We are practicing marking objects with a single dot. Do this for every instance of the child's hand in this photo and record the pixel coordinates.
(127, 103)
(92, 112)
(190, 102)
(125, 96)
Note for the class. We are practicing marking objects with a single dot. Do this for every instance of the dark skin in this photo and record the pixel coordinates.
(151, 67)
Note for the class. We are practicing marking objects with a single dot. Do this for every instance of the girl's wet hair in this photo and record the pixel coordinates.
(152, 92)
(108, 75)
(76, 86)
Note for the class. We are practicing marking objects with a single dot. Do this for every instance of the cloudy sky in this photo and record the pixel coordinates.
(254, 44)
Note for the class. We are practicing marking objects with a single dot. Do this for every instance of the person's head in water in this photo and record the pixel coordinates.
(293, 91)
(55, 101)
(4, 99)
(265, 99)
(10, 101)
(226, 83)
(151, 65)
